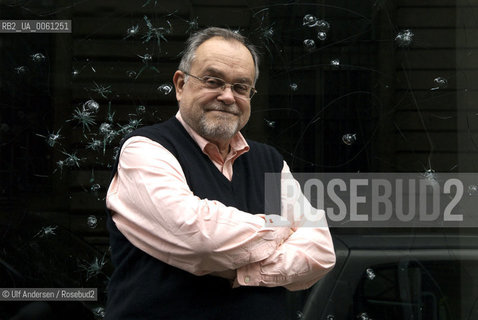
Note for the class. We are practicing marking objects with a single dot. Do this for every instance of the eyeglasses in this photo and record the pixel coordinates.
(240, 90)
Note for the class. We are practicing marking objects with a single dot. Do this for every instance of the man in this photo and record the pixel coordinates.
(189, 233)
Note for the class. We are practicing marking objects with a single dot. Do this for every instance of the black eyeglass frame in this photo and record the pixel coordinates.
(252, 90)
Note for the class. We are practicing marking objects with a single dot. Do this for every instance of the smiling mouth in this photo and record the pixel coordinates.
(224, 111)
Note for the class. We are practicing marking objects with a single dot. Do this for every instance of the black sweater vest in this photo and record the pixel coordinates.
(143, 287)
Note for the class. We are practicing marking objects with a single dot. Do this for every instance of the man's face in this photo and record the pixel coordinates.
(216, 115)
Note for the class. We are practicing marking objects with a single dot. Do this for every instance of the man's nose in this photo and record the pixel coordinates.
(227, 95)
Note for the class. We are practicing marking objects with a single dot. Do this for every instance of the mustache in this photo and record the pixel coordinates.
(229, 109)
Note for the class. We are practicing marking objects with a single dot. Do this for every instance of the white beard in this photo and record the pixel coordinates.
(217, 129)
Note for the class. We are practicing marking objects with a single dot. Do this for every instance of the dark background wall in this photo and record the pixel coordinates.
(405, 104)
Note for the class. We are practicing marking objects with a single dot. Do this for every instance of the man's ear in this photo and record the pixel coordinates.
(178, 80)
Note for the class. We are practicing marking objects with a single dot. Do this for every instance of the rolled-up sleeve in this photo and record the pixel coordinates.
(155, 210)
(302, 259)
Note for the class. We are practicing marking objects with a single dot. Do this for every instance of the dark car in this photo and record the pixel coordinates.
(397, 274)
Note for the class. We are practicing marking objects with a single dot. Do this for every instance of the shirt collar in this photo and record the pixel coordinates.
(238, 143)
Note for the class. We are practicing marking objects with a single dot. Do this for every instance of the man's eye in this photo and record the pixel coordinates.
(241, 88)
(213, 83)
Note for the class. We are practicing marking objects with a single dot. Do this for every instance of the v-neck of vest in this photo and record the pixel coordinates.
(216, 169)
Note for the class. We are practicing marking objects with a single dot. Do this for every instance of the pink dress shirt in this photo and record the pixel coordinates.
(156, 211)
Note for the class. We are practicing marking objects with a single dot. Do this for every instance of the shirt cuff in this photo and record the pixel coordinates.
(250, 274)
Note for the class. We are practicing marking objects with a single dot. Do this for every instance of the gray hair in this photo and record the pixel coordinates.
(201, 36)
